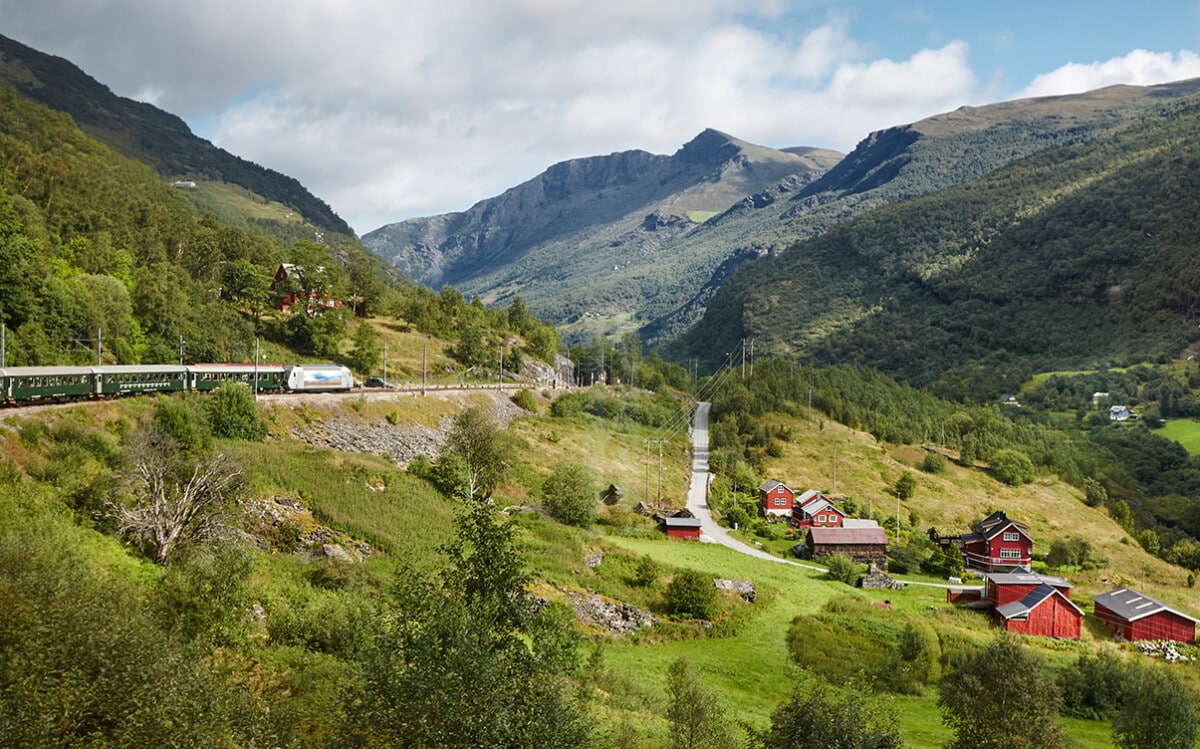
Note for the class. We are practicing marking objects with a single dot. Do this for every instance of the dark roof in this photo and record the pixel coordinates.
(1131, 605)
(997, 522)
(683, 522)
(1034, 598)
(1026, 578)
(847, 536)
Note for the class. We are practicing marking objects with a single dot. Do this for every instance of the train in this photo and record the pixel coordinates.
(27, 385)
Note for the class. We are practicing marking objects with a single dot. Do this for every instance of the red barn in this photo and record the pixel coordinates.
(813, 510)
(684, 527)
(1004, 588)
(1135, 616)
(775, 498)
(998, 545)
(863, 545)
(1044, 611)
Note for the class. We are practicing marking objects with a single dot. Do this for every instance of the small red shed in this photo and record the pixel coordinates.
(775, 498)
(683, 527)
(1003, 588)
(1044, 611)
(1136, 616)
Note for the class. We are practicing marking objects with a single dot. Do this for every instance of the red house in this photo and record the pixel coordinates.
(1044, 611)
(683, 527)
(1004, 588)
(814, 510)
(1135, 616)
(775, 498)
(286, 271)
(998, 545)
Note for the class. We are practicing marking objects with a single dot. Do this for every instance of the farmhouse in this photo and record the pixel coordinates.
(776, 499)
(1135, 616)
(1044, 611)
(864, 545)
(813, 510)
(287, 271)
(998, 544)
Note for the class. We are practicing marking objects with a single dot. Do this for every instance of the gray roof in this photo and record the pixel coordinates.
(1131, 605)
(817, 505)
(1025, 578)
(770, 484)
(683, 522)
(806, 496)
(1020, 609)
(859, 523)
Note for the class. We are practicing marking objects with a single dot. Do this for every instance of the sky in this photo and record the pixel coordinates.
(389, 109)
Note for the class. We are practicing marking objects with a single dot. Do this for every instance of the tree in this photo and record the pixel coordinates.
(176, 499)
(569, 493)
(1070, 552)
(1157, 712)
(906, 486)
(818, 718)
(475, 439)
(691, 595)
(1011, 466)
(843, 569)
(467, 659)
(367, 349)
(1001, 697)
(698, 721)
(233, 413)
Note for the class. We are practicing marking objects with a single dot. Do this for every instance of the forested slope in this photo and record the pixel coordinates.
(1077, 256)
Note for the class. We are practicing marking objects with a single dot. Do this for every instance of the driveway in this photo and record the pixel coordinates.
(712, 533)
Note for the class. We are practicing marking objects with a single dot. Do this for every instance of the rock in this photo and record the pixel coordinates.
(616, 617)
(594, 560)
(744, 588)
(877, 579)
(335, 551)
(257, 612)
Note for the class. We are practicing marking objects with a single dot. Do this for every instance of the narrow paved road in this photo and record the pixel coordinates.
(710, 532)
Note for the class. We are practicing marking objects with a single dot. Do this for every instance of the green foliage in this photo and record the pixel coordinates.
(817, 717)
(645, 574)
(569, 494)
(906, 486)
(1094, 687)
(233, 413)
(691, 595)
(205, 595)
(934, 463)
(187, 420)
(474, 460)
(1157, 710)
(697, 718)
(1013, 467)
(1069, 552)
(525, 400)
(465, 660)
(989, 707)
(368, 349)
(843, 569)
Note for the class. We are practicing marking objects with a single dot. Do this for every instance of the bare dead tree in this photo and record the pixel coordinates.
(177, 498)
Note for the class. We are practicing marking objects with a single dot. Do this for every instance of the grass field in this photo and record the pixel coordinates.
(1184, 431)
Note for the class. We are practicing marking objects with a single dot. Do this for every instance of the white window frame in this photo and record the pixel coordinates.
(779, 501)
(1010, 553)
(1012, 536)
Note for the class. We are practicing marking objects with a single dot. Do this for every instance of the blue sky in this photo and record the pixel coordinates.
(391, 109)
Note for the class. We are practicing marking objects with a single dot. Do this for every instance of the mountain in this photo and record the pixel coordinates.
(1078, 256)
(585, 236)
(150, 135)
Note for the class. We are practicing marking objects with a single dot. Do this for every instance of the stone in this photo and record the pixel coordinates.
(743, 588)
(877, 579)
(335, 551)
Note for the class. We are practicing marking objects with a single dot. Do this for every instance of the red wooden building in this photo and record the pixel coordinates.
(775, 498)
(814, 510)
(998, 545)
(683, 527)
(1136, 616)
(864, 545)
(1003, 588)
(288, 300)
(1044, 611)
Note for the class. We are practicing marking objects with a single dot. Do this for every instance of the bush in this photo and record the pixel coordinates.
(569, 494)
(843, 569)
(691, 595)
(1013, 467)
(645, 575)
(233, 413)
(934, 463)
(187, 420)
(525, 400)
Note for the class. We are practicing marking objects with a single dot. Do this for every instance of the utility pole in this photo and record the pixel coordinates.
(647, 470)
(752, 358)
(255, 367)
(424, 363)
(743, 358)
(3, 345)
(181, 349)
(500, 373)
(660, 444)
(99, 347)
(385, 364)
(834, 471)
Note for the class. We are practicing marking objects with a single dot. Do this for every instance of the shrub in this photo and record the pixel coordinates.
(691, 595)
(525, 400)
(186, 420)
(843, 569)
(646, 573)
(569, 494)
(233, 413)
(934, 463)
(1013, 467)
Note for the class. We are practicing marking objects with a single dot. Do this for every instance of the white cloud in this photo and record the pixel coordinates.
(1139, 68)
